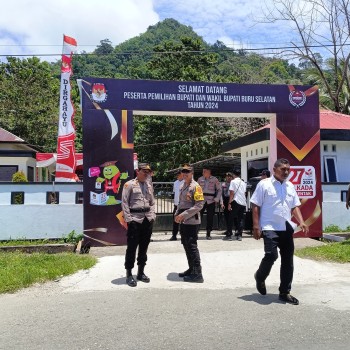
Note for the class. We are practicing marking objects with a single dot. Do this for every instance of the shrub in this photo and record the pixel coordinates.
(332, 228)
(19, 177)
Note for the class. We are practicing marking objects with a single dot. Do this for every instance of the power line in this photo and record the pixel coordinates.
(129, 53)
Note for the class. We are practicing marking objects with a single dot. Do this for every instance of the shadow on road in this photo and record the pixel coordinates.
(174, 276)
(119, 281)
(261, 299)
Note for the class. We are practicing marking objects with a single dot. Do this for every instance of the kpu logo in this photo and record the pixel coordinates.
(98, 92)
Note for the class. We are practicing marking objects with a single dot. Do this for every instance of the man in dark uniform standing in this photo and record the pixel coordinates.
(139, 212)
(187, 215)
(212, 194)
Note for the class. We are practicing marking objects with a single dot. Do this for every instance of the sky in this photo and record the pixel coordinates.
(36, 27)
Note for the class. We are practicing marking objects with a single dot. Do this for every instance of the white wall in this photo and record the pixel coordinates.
(342, 155)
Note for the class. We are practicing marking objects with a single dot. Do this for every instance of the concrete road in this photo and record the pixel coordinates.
(95, 309)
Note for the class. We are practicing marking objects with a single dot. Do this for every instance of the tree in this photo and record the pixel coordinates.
(29, 99)
(323, 27)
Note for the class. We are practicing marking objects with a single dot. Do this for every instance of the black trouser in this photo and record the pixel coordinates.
(189, 237)
(175, 224)
(138, 235)
(210, 215)
(226, 213)
(284, 241)
(237, 217)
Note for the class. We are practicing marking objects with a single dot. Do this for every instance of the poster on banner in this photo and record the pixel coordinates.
(304, 180)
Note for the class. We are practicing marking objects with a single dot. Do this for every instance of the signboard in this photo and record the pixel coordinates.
(108, 107)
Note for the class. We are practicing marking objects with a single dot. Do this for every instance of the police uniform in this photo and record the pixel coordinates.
(212, 194)
(190, 203)
(138, 206)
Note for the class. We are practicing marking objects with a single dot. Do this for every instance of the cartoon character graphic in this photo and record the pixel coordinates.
(111, 181)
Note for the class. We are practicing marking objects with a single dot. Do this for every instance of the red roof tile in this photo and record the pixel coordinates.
(334, 120)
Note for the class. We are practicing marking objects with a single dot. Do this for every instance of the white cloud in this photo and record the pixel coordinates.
(36, 22)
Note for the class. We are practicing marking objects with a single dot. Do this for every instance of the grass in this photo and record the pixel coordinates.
(336, 252)
(27, 242)
(18, 270)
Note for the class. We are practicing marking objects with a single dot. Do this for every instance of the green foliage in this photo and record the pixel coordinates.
(19, 176)
(19, 270)
(73, 237)
(29, 96)
(336, 252)
(332, 228)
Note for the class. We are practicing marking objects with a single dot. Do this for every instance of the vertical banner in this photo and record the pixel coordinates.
(66, 159)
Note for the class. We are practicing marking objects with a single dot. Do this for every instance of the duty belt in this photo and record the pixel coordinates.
(139, 210)
(209, 194)
(182, 210)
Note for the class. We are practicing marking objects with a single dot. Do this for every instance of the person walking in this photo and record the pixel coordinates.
(138, 206)
(237, 203)
(225, 200)
(176, 190)
(187, 215)
(212, 194)
(274, 201)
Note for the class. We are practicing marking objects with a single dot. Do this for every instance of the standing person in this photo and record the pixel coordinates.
(176, 190)
(212, 194)
(265, 174)
(187, 215)
(139, 212)
(224, 205)
(348, 198)
(273, 204)
(237, 202)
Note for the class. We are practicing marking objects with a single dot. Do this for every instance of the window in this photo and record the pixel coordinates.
(79, 197)
(52, 197)
(261, 151)
(256, 152)
(330, 172)
(246, 154)
(30, 174)
(251, 153)
(325, 148)
(267, 149)
(17, 197)
(6, 172)
(334, 148)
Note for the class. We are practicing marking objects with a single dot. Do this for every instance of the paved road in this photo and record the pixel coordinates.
(95, 309)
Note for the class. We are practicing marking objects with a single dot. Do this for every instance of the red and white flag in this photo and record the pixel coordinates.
(66, 157)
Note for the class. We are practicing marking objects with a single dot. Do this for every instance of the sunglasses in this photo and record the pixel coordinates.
(185, 171)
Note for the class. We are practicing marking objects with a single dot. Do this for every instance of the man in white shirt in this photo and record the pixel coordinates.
(237, 202)
(176, 190)
(274, 201)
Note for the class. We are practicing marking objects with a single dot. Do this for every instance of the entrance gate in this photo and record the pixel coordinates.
(108, 109)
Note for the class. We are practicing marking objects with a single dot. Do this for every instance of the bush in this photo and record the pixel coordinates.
(19, 177)
(332, 228)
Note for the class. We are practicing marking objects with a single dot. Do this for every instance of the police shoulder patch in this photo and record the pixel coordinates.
(198, 194)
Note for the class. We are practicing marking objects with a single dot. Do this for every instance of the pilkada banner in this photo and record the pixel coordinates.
(66, 158)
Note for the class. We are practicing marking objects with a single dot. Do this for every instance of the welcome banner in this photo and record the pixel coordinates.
(66, 158)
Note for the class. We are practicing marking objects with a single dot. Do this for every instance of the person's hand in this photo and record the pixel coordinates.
(229, 207)
(256, 232)
(347, 205)
(222, 206)
(179, 219)
(304, 228)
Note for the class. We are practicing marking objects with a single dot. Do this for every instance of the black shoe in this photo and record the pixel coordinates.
(194, 278)
(227, 238)
(185, 273)
(173, 238)
(238, 238)
(260, 285)
(289, 299)
(208, 238)
(131, 282)
(143, 278)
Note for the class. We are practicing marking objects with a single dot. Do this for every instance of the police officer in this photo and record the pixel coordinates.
(224, 201)
(212, 194)
(187, 215)
(139, 212)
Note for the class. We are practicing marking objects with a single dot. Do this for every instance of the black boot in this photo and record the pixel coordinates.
(141, 276)
(195, 275)
(185, 273)
(130, 279)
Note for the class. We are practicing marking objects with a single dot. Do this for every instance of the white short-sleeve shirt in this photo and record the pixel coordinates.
(276, 200)
(176, 190)
(239, 187)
